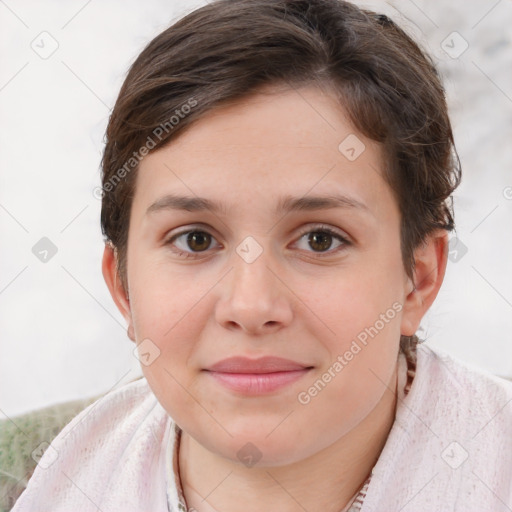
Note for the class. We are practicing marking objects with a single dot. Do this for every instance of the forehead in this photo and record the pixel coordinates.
(290, 142)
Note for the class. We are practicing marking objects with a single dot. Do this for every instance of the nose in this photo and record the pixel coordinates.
(254, 299)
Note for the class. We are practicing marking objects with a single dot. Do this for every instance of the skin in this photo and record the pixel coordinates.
(297, 300)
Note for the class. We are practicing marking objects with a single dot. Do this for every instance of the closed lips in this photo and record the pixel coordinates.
(256, 377)
(261, 365)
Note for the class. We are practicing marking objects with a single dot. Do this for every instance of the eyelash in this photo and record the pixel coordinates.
(317, 229)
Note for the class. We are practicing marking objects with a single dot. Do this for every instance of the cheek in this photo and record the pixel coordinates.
(166, 299)
(169, 327)
(362, 298)
(363, 310)
(362, 356)
(168, 317)
(342, 398)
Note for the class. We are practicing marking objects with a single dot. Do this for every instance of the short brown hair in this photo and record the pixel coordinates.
(230, 48)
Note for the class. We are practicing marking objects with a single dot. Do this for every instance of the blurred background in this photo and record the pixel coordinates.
(61, 335)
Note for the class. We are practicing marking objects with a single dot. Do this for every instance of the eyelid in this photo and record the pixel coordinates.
(325, 227)
(201, 228)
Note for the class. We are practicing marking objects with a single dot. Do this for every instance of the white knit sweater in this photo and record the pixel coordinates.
(450, 449)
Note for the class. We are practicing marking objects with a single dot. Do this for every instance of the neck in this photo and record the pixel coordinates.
(325, 481)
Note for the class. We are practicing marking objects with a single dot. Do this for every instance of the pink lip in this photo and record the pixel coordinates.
(257, 376)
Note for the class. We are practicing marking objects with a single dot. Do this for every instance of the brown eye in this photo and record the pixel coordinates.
(190, 242)
(198, 240)
(320, 241)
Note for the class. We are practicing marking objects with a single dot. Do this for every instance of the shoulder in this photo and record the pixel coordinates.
(129, 400)
(114, 421)
(111, 455)
(458, 381)
(115, 413)
(451, 443)
(456, 406)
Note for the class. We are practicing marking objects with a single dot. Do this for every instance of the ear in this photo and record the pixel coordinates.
(430, 266)
(113, 281)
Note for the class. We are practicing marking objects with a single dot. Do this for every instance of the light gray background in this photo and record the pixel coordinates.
(61, 335)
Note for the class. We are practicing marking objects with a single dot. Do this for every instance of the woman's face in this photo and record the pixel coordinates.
(245, 268)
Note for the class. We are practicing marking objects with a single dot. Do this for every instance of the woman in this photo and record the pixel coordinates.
(305, 147)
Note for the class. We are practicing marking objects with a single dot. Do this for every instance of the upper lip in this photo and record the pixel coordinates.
(266, 364)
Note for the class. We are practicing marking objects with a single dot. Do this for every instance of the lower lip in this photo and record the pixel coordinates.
(257, 383)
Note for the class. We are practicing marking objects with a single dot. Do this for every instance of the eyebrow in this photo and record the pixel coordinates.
(286, 204)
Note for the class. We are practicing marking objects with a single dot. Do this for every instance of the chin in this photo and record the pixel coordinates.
(257, 449)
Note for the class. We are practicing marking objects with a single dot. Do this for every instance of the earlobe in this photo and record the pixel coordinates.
(114, 284)
(430, 266)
